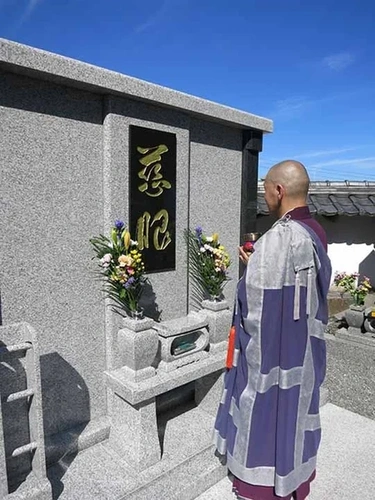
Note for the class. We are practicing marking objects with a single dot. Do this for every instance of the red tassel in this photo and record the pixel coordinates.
(230, 351)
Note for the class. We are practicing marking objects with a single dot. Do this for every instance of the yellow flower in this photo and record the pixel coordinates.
(125, 260)
(127, 239)
(215, 238)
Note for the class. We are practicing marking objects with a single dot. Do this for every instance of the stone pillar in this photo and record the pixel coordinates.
(134, 432)
(138, 345)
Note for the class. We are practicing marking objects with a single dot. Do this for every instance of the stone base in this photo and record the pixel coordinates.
(76, 439)
(351, 372)
(188, 466)
(32, 489)
(186, 481)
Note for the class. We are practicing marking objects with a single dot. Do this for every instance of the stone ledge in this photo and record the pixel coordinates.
(170, 328)
(23, 59)
(367, 339)
(136, 392)
(186, 481)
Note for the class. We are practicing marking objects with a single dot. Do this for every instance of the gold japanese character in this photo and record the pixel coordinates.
(151, 173)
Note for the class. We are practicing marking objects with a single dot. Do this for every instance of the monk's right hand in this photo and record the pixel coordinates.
(244, 256)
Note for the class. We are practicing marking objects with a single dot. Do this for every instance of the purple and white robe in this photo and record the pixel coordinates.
(268, 423)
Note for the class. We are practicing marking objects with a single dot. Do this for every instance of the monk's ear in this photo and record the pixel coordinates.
(280, 191)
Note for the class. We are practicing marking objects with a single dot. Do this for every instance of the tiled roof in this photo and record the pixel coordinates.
(334, 198)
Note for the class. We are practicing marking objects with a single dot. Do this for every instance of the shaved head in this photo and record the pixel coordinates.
(293, 176)
(286, 186)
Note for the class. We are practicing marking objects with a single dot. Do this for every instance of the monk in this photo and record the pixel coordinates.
(268, 424)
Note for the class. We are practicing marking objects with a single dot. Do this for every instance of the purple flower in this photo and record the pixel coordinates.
(119, 224)
(198, 233)
(129, 283)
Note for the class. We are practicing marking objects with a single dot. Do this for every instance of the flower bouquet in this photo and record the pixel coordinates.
(122, 269)
(208, 263)
(349, 282)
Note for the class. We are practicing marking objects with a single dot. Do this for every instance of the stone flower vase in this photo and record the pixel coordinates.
(355, 316)
(138, 345)
(219, 319)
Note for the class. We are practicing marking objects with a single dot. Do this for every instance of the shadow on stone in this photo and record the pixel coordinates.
(149, 304)
(171, 405)
(65, 395)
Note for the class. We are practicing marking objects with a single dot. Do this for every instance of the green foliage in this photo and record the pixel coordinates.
(208, 264)
(121, 268)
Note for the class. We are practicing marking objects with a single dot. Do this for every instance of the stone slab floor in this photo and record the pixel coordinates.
(346, 464)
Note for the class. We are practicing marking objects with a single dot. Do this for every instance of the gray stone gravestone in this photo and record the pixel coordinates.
(71, 136)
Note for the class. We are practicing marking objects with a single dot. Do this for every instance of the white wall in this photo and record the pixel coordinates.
(348, 258)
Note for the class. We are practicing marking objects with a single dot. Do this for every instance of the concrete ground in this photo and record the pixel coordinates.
(346, 461)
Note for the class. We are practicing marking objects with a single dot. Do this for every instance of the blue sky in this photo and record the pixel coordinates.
(308, 65)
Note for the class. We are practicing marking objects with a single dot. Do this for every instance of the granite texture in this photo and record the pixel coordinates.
(136, 392)
(75, 440)
(51, 190)
(134, 433)
(174, 327)
(355, 316)
(94, 474)
(192, 328)
(187, 468)
(351, 374)
(219, 321)
(324, 396)
(57, 68)
(184, 482)
(183, 360)
(120, 113)
(137, 325)
(215, 189)
(138, 349)
(32, 489)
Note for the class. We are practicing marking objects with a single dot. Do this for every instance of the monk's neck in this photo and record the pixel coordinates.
(284, 210)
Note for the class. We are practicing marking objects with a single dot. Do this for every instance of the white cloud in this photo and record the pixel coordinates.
(327, 152)
(154, 18)
(30, 7)
(292, 106)
(340, 61)
(296, 106)
(347, 161)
